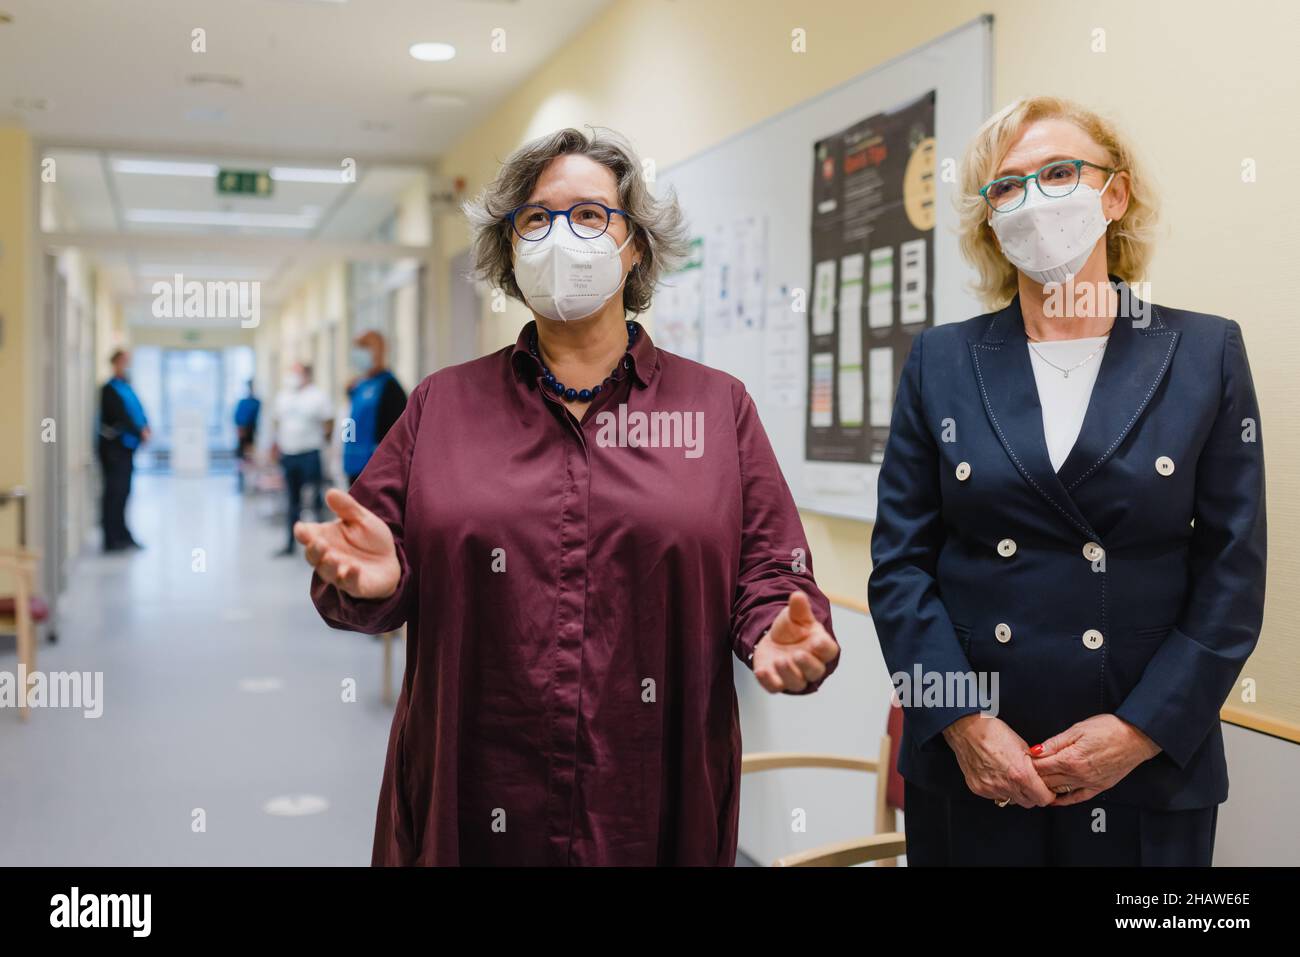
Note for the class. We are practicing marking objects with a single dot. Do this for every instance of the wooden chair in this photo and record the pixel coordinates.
(20, 611)
(886, 845)
(386, 683)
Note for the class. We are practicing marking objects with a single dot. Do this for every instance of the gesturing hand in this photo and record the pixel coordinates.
(795, 650)
(355, 553)
(1091, 756)
(995, 761)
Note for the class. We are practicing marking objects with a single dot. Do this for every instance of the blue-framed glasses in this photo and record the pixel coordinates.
(532, 223)
(1054, 181)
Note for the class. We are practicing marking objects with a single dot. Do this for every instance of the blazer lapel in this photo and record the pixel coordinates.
(1137, 355)
(1006, 382)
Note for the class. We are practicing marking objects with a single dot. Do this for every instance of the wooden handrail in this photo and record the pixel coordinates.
(844, 601)
(1265, 724)
(773, 760)
(847, 853)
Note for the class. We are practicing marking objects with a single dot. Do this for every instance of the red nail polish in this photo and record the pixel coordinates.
(1036, 750)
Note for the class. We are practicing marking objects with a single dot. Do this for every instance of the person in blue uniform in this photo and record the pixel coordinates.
(247, 411)
(378, 400)
(123, 427)
(1072, 502)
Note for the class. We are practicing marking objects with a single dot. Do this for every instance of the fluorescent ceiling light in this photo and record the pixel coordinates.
(186, 217)
(153, 270)
(165, 168)
(285, 174)
(305, 174)
(432, 52)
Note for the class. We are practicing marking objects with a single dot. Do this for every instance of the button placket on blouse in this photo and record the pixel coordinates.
(570, 626)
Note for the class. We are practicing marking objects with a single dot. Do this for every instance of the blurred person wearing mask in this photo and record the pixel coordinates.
(123, 427)
(378, 400)
(303, 420)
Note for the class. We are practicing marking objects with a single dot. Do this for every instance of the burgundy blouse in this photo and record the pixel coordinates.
(573, 592)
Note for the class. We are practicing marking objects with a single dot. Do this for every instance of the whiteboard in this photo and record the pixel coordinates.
(754, 191)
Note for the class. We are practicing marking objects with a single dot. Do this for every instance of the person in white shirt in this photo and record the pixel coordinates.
(303, 421)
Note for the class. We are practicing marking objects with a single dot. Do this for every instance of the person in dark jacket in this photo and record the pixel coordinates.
(1071, 505)
(378, 401)
(123, 427)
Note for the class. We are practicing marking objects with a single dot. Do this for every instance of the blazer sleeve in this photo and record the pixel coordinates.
(911, 621)
(774, 558)
(1178, 697)
(382, 489)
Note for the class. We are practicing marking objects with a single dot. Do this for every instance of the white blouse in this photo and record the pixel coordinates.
(1064, 398)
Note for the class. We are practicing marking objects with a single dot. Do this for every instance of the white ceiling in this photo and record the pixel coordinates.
(283, 83)
(319, 78)
(145, 217)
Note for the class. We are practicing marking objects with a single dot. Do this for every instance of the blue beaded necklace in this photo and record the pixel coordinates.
(582, 395)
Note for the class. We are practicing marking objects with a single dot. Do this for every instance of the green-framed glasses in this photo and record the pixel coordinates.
(1054, 180)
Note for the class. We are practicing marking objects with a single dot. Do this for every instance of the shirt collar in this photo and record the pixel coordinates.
(644, 355)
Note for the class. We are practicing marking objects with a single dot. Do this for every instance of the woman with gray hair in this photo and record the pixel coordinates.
(578, 531)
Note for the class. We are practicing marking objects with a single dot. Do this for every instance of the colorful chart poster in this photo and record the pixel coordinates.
(679, 306)
(872, 276)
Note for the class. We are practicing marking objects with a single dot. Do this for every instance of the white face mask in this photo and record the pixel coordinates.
(565, 278)
(1050, 239)
(361, 359)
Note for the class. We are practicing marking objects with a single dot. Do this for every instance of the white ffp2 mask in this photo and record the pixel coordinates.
(1050, 239)
(565, 278)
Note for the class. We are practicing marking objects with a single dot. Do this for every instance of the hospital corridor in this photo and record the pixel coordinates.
(233, 702)
(444, 442)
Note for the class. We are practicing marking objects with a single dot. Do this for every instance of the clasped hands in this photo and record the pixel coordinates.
(1074, 766)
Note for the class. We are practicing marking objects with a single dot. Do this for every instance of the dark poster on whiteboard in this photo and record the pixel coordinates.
(872, 276)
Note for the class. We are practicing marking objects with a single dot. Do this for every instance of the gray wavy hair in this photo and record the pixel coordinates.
(659, 229)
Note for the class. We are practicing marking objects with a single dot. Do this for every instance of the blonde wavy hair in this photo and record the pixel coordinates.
(1129, 240)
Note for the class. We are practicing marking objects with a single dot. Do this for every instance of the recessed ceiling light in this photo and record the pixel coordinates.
(432, 52)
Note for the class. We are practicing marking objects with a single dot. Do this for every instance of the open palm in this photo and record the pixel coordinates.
(355, 553)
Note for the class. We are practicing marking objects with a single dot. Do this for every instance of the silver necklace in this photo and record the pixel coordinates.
(1066, 372)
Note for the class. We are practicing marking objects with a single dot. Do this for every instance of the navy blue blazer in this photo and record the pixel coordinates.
(1131, 582)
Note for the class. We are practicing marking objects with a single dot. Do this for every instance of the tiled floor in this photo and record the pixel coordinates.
(223, 691)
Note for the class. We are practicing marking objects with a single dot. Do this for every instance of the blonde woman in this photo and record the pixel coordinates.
(579, 531)
(1071, 500)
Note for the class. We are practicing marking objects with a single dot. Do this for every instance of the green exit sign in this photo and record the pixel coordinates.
(244, 182)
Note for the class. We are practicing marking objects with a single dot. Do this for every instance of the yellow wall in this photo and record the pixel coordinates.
(1201, 87)
(17, 336)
